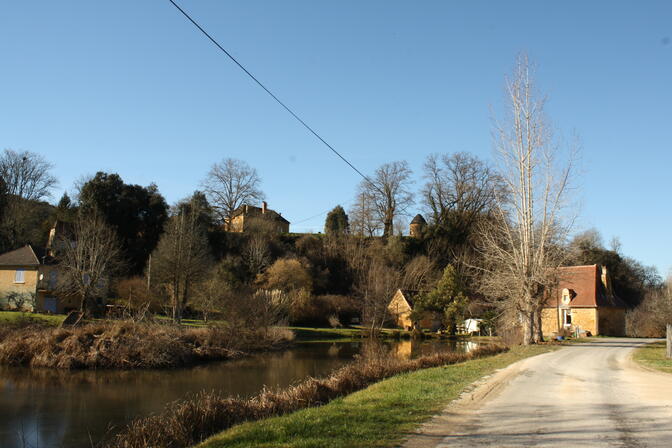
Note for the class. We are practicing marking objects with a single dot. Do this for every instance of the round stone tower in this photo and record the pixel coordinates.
(417, 226)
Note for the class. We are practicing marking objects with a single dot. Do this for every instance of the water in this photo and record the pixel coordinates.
(47, 408)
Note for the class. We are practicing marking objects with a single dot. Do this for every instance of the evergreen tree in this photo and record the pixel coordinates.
(447, 298)
(336, 222)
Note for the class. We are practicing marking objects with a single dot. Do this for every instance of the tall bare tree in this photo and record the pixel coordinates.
(87, 260)
(182, 257)
(524, 247)
(388, 192)
(230, 184)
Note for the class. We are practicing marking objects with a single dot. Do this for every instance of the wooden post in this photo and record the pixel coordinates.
(669, 341)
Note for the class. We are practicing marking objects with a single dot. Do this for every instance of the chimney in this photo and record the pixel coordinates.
(246, 209)
(605, 279)
(263, 207)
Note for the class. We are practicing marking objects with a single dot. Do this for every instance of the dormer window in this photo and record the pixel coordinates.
(567, 296)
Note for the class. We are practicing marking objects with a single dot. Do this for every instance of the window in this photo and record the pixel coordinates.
(567, 318)
(20, 276)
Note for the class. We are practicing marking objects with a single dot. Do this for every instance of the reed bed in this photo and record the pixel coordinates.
(128, 345)
(190, 421)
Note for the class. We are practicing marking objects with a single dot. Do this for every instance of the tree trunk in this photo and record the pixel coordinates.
(527, 321)
(669, 341)
(538, 335)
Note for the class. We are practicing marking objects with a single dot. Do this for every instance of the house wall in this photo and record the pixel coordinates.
(585, 318)
(400, 311)
(7, 285)
(612, 321)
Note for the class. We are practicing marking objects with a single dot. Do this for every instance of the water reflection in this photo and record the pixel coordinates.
(50, 408)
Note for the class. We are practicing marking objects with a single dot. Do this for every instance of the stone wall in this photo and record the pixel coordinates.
(586, 319)
(7, 284)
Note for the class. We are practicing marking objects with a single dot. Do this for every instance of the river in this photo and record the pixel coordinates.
(48, 408)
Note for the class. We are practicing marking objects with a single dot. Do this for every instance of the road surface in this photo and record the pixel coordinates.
(589, 395)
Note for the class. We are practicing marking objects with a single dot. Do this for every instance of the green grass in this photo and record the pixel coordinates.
(653, 356)
(15, 316)
(379, 416)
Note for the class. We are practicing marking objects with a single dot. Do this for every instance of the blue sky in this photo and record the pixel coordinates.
(131, 87)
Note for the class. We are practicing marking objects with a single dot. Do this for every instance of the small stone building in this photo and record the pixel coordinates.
(417, 226)
(401, 307)
(584, 300)
(246, 216)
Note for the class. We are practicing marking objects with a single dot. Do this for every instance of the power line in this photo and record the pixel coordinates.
(247, 72)
(312, 217)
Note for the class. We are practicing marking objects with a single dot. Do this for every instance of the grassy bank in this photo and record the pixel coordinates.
(187, 422)
(653, 356)
(127, 345)
(17, 318)
(379, 416)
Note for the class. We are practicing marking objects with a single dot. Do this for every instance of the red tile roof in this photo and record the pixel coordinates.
(24, 256)
(588, 290)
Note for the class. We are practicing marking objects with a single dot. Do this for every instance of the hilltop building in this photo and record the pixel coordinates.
(418, 225)
(246, 216)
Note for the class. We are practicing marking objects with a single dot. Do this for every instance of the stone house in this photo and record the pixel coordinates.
(34, 275)
(401, 307)
(584, 300)
(246, 216)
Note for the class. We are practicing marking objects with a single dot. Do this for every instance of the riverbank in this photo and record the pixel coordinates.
(381, 415)
(185, 423)
(117, 344)
(653, 357)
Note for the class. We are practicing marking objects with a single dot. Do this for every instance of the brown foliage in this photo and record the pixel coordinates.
(125, 345)
(185, 423)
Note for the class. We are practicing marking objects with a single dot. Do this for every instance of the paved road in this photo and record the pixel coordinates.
(588, 395)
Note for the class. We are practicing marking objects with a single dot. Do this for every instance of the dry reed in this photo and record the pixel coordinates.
(126, 345)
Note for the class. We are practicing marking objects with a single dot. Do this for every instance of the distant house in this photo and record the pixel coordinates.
(584, 300)
(472, 325)
(31, 274)
(401, 307)
(246, 216)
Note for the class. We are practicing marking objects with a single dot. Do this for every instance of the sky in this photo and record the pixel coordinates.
(131, 87)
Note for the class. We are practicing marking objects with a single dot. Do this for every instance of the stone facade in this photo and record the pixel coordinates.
(417, 226)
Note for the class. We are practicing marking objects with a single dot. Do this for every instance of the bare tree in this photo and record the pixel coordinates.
(213, 295)
(523, 247)
(27, 177)
(363, 218)
(88, 260)
(458, 189)
(182, 257)
(230, 184)
(388, 192)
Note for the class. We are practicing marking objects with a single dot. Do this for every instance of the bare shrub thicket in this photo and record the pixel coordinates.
(650, 318)
(186, 423)
(127, 345)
